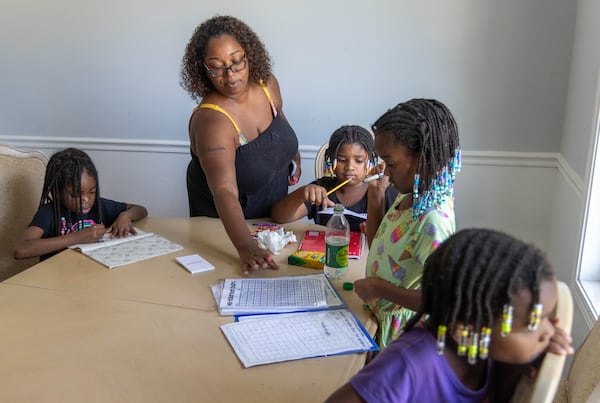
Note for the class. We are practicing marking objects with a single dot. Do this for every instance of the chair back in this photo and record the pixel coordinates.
(319, 159)
(583, 380)
(543, 388)
(21, 180)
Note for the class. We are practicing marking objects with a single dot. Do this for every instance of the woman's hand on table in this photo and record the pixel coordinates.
(254, 258)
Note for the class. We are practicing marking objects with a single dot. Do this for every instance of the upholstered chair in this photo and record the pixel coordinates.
(21, 181)
(319, 159)
(582, 384)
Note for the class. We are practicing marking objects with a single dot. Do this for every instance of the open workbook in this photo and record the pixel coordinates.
(115, 252)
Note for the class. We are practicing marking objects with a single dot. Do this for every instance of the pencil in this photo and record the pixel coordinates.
(338, 186)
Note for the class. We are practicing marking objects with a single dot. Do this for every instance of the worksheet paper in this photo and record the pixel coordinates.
(108, 240)
(266, 339)
(133, 250)
(274, 295)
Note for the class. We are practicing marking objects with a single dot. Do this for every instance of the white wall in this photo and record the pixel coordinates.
(583, 84)
(576, 144)
(110, 69)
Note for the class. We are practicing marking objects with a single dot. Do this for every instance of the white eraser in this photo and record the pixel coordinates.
(194, 263)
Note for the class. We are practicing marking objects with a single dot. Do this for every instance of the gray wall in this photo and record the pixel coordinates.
(583, 101)
(583, 88)
(109, 69)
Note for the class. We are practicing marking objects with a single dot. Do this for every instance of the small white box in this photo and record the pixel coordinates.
(194, 263)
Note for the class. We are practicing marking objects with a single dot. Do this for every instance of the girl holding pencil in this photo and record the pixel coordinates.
(349, 160)
(419, 143)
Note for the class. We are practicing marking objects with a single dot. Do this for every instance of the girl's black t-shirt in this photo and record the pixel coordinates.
(315, 212)
(45, 219)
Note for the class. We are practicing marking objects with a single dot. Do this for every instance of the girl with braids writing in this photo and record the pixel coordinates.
(71, 210)
(486, 300)
(349, 158)
(418, 142)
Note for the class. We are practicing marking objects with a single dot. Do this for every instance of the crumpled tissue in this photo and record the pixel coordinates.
(275, 240)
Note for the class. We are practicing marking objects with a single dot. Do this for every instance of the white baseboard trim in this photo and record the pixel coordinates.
(99, 144)
(513, 159)
(125, 145)
(494, 158)
(308, 152)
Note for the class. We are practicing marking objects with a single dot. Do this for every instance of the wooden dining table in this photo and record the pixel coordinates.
(73, 330)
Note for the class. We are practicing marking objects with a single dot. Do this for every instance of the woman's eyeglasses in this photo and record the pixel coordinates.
(236, 67)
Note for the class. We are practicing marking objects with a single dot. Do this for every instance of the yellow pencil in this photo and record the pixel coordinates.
(338, 186)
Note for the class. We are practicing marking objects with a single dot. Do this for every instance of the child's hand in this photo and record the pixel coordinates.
(317, 195)
(381, 184)
(560, 343)
(121, 227)
(90, 234)
(367, 289)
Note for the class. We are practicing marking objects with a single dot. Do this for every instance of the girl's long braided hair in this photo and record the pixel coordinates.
(64, 170)
(474, 273)
(350, 134)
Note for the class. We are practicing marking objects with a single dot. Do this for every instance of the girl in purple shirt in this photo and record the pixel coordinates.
(487, 299)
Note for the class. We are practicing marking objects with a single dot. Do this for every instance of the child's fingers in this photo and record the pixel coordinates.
(559, 348)
(560, 343)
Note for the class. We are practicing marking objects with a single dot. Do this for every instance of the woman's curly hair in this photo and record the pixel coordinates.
(194, 77)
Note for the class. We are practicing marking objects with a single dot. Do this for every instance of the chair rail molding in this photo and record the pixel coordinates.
(491, 158)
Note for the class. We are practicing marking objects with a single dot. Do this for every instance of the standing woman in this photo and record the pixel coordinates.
(242, 145)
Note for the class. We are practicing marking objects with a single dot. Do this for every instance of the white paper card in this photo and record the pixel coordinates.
(194, 263)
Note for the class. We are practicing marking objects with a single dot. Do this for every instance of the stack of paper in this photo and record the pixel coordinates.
(288, 318)
(279, 294)
(265, 339)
